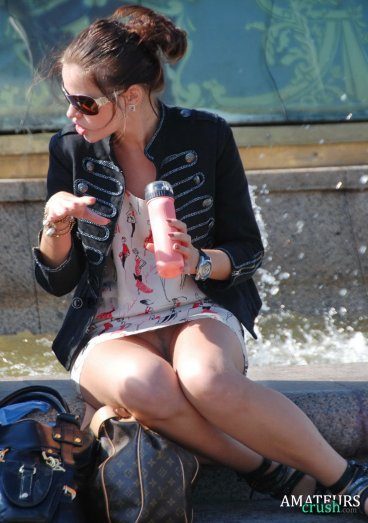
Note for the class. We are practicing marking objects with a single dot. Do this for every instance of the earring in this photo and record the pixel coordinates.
(131, 108)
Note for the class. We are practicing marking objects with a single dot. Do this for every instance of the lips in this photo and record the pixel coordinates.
(79, 129)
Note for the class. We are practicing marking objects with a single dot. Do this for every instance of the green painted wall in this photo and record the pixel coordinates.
(253, 61)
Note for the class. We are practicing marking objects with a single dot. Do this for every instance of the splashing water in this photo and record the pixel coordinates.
(287, 338)
(284, 338)
(26, 354)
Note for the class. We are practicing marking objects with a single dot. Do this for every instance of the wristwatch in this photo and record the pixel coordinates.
(204, 266)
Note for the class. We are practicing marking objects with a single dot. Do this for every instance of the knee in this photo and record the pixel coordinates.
(149, 393)
(206, 383)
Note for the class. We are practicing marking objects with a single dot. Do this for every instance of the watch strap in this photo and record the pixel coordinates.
(203, 258)
(201, 253)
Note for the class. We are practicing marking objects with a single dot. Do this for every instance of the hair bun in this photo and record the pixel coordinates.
(154, 30)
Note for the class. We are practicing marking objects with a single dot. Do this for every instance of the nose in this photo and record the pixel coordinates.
(72, 112)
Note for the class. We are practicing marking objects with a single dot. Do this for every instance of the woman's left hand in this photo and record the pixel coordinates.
(182, 243)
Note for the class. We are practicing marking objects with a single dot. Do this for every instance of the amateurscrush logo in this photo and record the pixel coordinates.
(322, 504)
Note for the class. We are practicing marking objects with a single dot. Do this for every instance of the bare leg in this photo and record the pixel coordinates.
(131, 373)
(206, 358)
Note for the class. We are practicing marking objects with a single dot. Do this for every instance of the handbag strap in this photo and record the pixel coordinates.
(37, 392)
(103, 414)
(100, 416)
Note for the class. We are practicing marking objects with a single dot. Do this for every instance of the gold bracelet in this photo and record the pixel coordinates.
(50, 227)
(63, 231)
(61, 220)
(52, 232)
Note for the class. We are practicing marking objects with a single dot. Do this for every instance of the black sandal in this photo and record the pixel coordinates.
(354, 482)
(278, 483)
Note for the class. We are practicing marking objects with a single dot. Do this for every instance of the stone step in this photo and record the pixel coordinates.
(334, 397)
(266, 511)
(219, 497)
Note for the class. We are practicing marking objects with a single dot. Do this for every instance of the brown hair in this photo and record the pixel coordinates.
(127, 48)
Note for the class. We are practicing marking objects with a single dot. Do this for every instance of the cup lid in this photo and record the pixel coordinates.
(158, 188)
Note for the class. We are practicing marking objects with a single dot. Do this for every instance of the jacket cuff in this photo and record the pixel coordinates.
(240, 272)
(39, 260)
(45, 268)
(61, 279)
(243, 269)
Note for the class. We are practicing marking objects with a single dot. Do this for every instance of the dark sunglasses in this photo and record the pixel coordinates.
(85, 104)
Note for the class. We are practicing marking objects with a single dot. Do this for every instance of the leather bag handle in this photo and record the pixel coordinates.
(37, 392)
(103, 414)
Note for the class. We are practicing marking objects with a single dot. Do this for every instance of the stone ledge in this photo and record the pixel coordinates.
(327, 393)
(322, 179)
(245, 135)
(335, 397)
(332, 179)
(261, 147)
(22, 190)
(262, 511)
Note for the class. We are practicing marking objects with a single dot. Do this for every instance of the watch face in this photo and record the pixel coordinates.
(205, 270)
(204, 267)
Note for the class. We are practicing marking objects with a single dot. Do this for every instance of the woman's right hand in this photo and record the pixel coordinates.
(63, 204)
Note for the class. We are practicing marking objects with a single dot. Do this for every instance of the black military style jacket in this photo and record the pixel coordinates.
(195, 151)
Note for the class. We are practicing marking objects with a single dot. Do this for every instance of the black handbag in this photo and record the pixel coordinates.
(42, 466)
(140, 476)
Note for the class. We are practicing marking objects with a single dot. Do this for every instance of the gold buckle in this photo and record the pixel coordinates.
(69, 491)
(2, 455)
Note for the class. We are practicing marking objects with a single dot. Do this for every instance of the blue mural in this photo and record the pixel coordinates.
(253, 61)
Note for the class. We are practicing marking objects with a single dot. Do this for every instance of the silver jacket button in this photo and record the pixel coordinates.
(190, 157)
(197, 179)
(207, 202)
(90, 166)
(82, 187)
(77, 303)
(185, 113)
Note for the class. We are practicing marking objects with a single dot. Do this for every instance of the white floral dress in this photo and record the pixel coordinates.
(135, 298)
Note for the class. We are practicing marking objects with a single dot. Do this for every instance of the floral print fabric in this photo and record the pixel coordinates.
(134, 297)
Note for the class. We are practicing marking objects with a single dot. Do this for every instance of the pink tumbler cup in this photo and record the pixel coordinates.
(159, 196)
